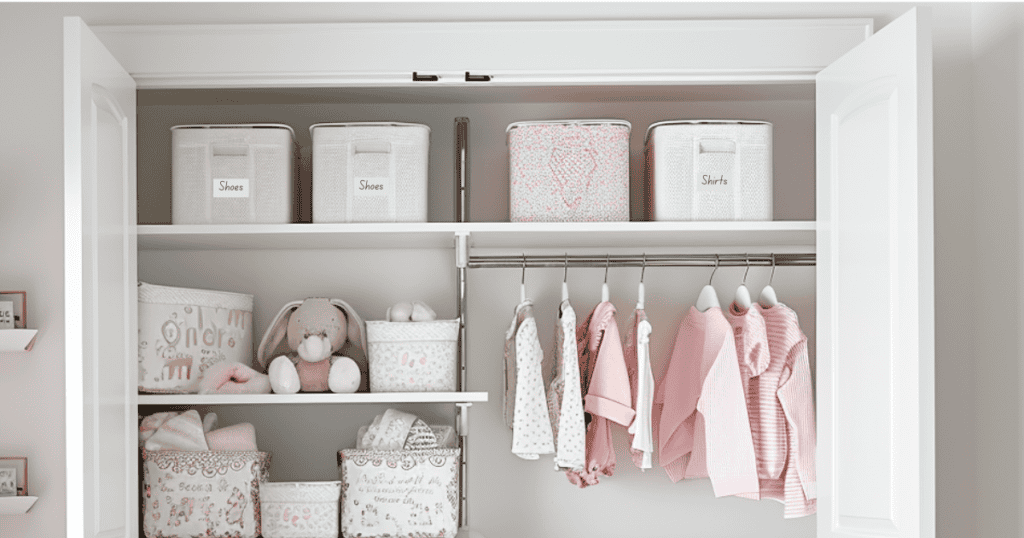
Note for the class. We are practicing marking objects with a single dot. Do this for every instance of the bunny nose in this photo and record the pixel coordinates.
(314, 348)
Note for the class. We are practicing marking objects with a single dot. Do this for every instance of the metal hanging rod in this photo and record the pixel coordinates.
(642, 260)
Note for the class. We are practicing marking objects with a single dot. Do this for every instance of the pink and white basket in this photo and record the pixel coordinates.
(300, 509)
(569, 171)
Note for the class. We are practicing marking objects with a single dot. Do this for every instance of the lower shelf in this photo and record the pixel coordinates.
(313, 398)
(16, 505)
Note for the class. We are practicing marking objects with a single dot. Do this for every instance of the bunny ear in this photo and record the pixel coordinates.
(275, 333)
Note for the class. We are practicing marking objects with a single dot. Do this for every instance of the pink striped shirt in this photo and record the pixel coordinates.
(700, 408)
(788, 380)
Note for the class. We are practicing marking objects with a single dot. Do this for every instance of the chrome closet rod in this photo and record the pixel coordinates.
(642, 260)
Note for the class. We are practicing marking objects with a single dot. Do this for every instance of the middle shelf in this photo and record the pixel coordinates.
(312, 398)
(481, 235)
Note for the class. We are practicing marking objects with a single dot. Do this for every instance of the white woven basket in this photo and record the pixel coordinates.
(416, 356)
(300, 509)
(184, 331)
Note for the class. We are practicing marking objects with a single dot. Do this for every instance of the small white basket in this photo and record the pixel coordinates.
(184, 331)
(300, 509)
(233, 174)
(709, 170)
(412, 356)
(370, 172)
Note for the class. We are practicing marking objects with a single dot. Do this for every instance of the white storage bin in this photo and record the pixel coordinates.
(183, 331)
(412, 356)
(709, 170)
(370, 172)
(568, 170)
(391, 493)
(233, 174)
(300, 509)
(205, 493)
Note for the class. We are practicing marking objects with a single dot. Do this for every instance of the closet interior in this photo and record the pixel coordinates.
(374, 266)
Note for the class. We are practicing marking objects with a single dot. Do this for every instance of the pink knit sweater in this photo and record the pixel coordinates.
(700, 409)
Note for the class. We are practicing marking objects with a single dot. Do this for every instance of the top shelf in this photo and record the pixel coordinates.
(516, 235)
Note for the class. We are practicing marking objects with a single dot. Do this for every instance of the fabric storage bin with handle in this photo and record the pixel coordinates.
(569, 171)
(184, 331)
(418, 356)
(300, 509)
(388, 493)
(370, 172)
(233, 174)
(709, 170)
(206, 493)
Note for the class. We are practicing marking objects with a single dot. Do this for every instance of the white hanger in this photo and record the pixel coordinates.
(565, 279)
(768, 297)
(522, 284)
(742, 298)
(708, 298)
(604, 287)
(640, 288)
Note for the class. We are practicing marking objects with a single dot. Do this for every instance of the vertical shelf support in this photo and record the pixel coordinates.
(463, 432)
(462, 427)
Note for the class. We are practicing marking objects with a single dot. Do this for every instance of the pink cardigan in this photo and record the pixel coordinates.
(605, 385)
(703, 428)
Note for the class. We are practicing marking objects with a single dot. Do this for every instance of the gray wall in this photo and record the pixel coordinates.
(978, 53)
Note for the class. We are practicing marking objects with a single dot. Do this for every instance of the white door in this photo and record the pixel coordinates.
(100, 291)
(875, 393)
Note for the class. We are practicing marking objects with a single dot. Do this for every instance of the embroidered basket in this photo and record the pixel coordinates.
(408, 493)
(184, 331)
(300, 509)
(569, 171)
(412, 356)
(205, 493)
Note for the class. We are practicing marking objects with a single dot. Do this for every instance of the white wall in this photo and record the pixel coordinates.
(997, 279)
(978, 377)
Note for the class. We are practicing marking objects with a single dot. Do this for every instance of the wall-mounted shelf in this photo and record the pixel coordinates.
(313, 398)
(17, 339)
(16, 505)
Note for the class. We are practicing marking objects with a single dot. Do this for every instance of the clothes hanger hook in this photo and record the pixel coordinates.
(772, 278)
(607, 263)
(523, 281)
(643, 268)
(565, 273)
(715, 270)
(746, 258)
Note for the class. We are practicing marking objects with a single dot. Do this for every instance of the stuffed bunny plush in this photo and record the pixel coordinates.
(325, 348)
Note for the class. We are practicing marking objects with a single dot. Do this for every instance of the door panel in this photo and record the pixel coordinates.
(875, 287)
(100, 266)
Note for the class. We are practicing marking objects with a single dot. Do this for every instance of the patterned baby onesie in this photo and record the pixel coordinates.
(531, 425)
(641, 380)
(565, 401)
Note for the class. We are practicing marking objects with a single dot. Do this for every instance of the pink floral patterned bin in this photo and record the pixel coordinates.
(569, 171)
(207, 493)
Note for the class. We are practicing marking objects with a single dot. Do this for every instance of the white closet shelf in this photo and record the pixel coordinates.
(17, 339)
(317, 398)
(16, 505)
(482, 235)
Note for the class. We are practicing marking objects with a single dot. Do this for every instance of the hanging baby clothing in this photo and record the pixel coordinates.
(703, 426)
(767, 423)
(641, 381)
(565, 401)
(525, 402)
(797, 485)
(605, 385)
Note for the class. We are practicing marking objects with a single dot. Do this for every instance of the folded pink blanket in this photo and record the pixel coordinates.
(233, 378)
(236, 437)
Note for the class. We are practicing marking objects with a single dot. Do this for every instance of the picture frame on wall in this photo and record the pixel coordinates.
(20, 300)
(20, 467)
